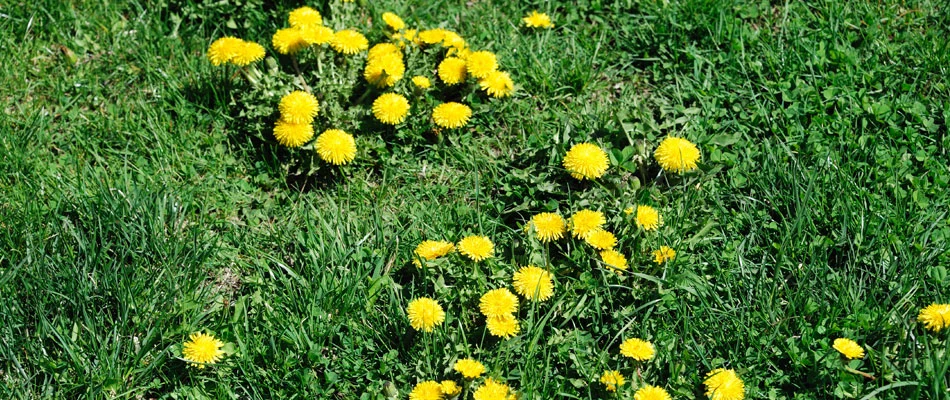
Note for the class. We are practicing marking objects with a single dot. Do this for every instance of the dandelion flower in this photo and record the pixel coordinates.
(316, 34)
(201, 349)
(349, 42)
(431, 36)
(292, 135)
(304, 16)
(428, 390)
(498, 302)
(677, 155)
(637, 349)
(289, 41)
(403, 37)
(451, 115)
(537, 20)
(935, 316)
(380, 49)
(664, 254)
(628, 210)
(450, 388)
(586, 161)
(612, 379)
(248, 53)
(393, 21)
(391, 108)
(476, 248)
(724, 384)
(452, 71)
(601, 239)
(497, 84)
(481, 63)
(224, 49)
(504, 326)
(533, 283)
(431, 249)
(650, 392)
(492, 390)
(336, 147)
(469, 368)
(548, 226)
(584, 222)
(848, 348)
(648, 218)
(424, 314)
(421, 82)
(614, 260)
(384, 70)
(298, 107)
(453, 40)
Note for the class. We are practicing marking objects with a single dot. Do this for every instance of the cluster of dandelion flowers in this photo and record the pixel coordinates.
(298, 107)
(724, 384)
(393, 21)
(601, 239)
(476, 248)
(637, 349)
(533, 283)
(935, 317)
(450, 388)
(585, 222)
(481, 63)
(848, 348)
(451, 115)
(424, 314)
(612, 379)
(664, 254)
(548, 226)
(492, 390)
(349, 42)
(391, 108)
(289, 41)
(336, 147)
(498, 302)
(427, 390)
(234, 50)
(497, 84)
(292, 135)
(469, 368)
(384, 70)
(432, 249)
(586, 161)
(537, 20)
(648, 218)
(614, 260)
(201, 349)
(676, 155)
(304, 16)
(452, 71)
(650, 392)
(421, 82)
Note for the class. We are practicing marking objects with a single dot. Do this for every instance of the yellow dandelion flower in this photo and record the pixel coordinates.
(503, 326)
(615, 260)
(481, 63)
(403, 37)
(533, 283)
(224, 49)
(676, 155)
(848, 348)
(393, 21)
(451, 115)
(452, 71)
(298, 107)
(304, 16)
(427, 390)
(612, 379)
(498, 302)
(201, 349)
(637, 349)
(292, 135)
(462, 53)
(247, 53)
(384, 70)
(349, 42)
(649, 392)
(584, 222)
(586, 161)
(724, 384)
(424, 314)
(601, 239)
(421, 82)
(453, 40)
(476, 248)
(469, 368)
(648, 218)
(935, 317)
(431, 36)
(537, 20)
(391, 108)
(380, 49)
(316, 34)
(548, 226)
(336, 147)
(664, 254)
(289, 41)
(450, 388)
(497, 84)
(628, 210)
(431, 249)
(492, 390)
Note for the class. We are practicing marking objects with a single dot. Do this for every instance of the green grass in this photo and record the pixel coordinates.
(137, 205)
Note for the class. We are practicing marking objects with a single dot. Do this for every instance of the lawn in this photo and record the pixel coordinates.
(144, 198)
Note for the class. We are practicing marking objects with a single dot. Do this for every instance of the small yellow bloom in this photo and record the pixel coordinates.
(935, 317)
(316, 34)
(497, 84)
(304, 16)
(224, 49)
(650, 392)
(586, 161)
(424, 314)
(432, 36)
(202, 349)
(664, 254)
(427, 390)
(451, 115)
(676, 155)
(391, 108)
(601, 239)
(548, 226)
(384, 70)
(585, 222)
(648, 218)
(498, 302)
(537, 20)
(504, 326)
(289, 41)
(637, 349)
(612, 379)
(452, 71)
(481, 63)
(349, 42)
(533, 283)
(493, 390)
(476, 248)
(848, 348)
(292, 135)
(615, 260)
(450, 388)
(431, 249)
(298, 107)
(393, 21)
(336, 147)
(469, 368)
(248, 53)
(421, 82)
(724, 384)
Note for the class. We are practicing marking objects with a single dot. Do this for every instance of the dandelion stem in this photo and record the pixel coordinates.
(864, 374)
(293, 58)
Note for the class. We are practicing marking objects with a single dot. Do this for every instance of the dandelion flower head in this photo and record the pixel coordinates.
(380, 49)
(289, 41)
(292, 135)
(664, 254)
(615, 260)
(349, 42)
(650, 392)
(586, 161)
(453, 40)
(428, 390)
(298, 107)
(452, 71)
(676, 155)
(421, 82)
(481, 63)
(424, 314)
(492, 390)
(451, 115)
(612, 379)
(533, 283)
(316, 34)
(450, 388)
(935, 316)
(336, 147)
(548, 226)
(476, 248)
(469, 368)
(497, 84)
(384, 70)
(537, 20)
(304, 16)
(637, 349)
(585, 222)
(505, 326)
(247, 53)
(648, 218)
(201, 349)
(393, 21)
(224, 49)
(601, 239)
(724, 384)
(432, 36)
(848, 348)
(432, 249)
(498, 302)
(391, 108)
